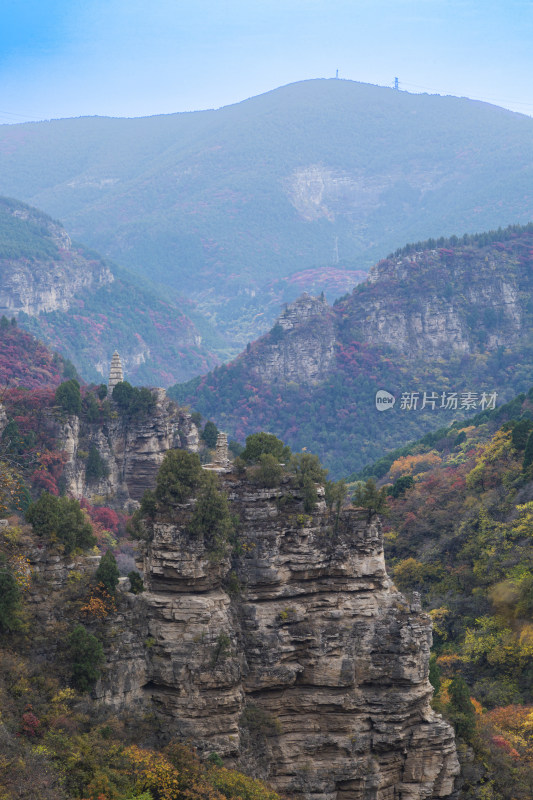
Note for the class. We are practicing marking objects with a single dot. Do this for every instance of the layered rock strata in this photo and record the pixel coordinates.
(301, 345)
(131, 448)
(295, 657)
(35, 286)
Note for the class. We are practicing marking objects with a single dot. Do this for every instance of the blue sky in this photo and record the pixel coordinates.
(65, 58)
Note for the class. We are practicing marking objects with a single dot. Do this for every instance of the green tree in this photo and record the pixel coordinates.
(12, 440)
(122, 394)
(211, 518)
(277, 333)
(460, 709)
(136, 582)
(107, 572)
(401, 485)
(148, 504)
(528, 453)
(86, 656)
(308, 471)
(91, 409)
(310, 494)
(308, 465)
(235, 447)
(68, 396)
(368, 496)
(69, 370)
(520, 434)
(178, 477)
(210, 434)
(434, 673)
(335, 495)
(96, 468)
(269, 471)
(9, 599)
(259, 443)
(132, 401)
(44, 515)
(61, 520)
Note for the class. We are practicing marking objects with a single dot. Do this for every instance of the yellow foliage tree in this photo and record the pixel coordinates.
(414, 465)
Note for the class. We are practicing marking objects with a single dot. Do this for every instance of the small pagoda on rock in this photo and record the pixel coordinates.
(116, 374)
(221, 462)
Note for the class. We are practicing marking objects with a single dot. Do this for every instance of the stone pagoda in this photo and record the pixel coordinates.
(221, 453)
(115, 372)
(221, 462)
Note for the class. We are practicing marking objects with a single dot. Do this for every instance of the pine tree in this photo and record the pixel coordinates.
(107, 572)
(86, 656)
(528, 452)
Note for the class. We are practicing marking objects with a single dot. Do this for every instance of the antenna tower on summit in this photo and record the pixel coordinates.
(396, 83)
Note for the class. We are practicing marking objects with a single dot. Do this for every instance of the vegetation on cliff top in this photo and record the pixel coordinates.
(25, 233)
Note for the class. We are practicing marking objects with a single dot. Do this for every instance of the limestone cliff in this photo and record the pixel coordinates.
(294, 656)
(45, 281)
(426, 304)
(301, 346)
(131, 448)
(437, 302)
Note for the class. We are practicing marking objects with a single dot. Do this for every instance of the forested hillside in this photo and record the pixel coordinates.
(452, 317)
(459, 530)
(26, 362)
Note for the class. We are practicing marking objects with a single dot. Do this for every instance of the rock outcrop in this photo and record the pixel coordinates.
(36, 286)
(294, 657)
(428, 304)
(132, 449)
(301, 345)
(418, 311)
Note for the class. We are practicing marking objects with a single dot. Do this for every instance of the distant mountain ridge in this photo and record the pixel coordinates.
(321, 173)
(453, 320)
(85, 307)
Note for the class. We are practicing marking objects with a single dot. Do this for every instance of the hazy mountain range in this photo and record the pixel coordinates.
(325, 174)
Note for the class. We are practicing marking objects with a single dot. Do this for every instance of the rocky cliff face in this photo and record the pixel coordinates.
(132, 449)
(33, 285)
(301, 346)
(437, 302)
(429, 304)
(294, 657)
